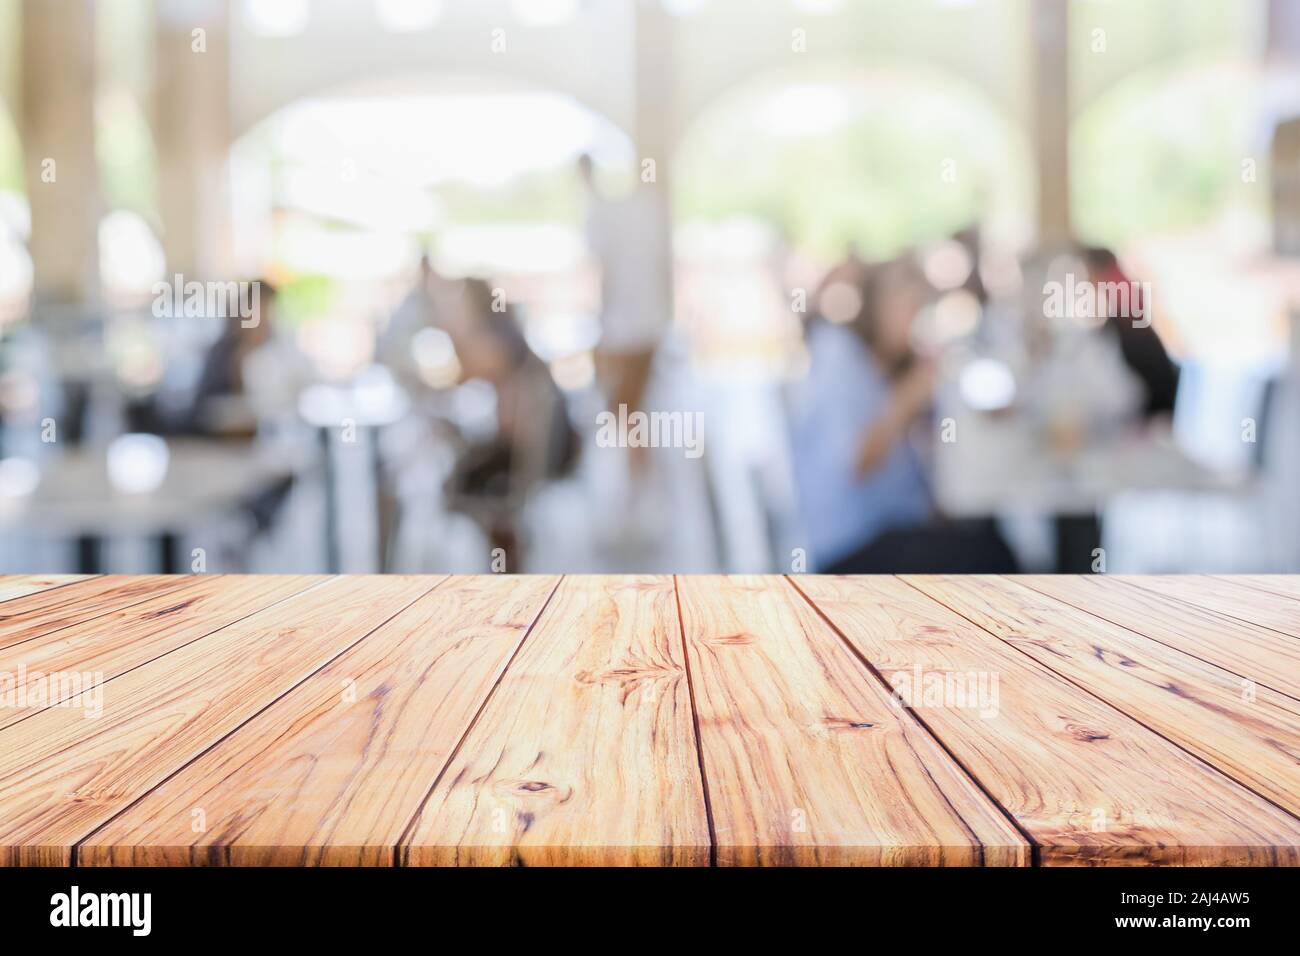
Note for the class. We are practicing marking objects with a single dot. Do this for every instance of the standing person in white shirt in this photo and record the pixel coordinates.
(626, 238)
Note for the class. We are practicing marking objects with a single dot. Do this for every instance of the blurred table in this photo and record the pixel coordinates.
(204, 479)
(355, 412)
(1004, 465)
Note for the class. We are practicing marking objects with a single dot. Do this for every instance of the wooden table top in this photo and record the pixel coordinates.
(416, 720)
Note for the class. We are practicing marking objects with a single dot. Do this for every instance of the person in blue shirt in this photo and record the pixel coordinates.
(857, 470)
(860, 432)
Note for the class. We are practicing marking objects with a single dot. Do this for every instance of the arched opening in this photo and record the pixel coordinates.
(788, 171)
(1171, 168)
(343, 192)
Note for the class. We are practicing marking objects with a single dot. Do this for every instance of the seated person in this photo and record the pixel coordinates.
(417, 311)
(1139, 342)
(224, 402)
(859, 433)
(534, 441)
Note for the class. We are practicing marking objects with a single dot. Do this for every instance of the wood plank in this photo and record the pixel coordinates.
(1251, 734)
(585, 753)
(61, 775)
(48, 611)
(1088, 783)
(806, 759)
(112, 644)
(20, 585)
(1283, 585)
(1258, 654)
(1223, 596)
(333, 772)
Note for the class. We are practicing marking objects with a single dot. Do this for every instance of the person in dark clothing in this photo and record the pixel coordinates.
(534, 441)
(1139, 342)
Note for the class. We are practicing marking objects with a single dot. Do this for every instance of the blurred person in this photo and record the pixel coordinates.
(971, 240)
(273, 369)
(219, 404)
(534, 441)
(248, 385)
(1140, 345)
(635, 278)
(857, 473)
(417, 310)
(859, 423)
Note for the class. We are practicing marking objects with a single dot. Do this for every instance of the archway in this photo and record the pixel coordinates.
(802, 165)
(342, 192)
(1170, 166)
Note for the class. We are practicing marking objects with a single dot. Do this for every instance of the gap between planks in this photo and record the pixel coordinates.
(1253, 652)
(22, 646)
(874, 674)
(455, 751)
(695, 727)
(1227, 597)
(270, 703)
(13, 586)
(1128, 713)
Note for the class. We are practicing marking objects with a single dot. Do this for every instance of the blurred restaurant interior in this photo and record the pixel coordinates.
(351, 285)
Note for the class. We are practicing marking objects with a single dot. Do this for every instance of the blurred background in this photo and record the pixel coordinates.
(347, 285)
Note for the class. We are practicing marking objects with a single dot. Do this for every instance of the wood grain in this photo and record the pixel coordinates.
(62, 775)
(1251, 734)
(51, 610)
(333, 772)
(1089, 784)
(20, 585)
(585, 753)
(1283, 585)
(807, 761)
(1224, 596)
(1257, 654)
(111, 644)
(501, 720)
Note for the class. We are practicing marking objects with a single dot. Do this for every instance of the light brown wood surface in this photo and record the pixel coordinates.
(18, 585)
(1228, 597)
(367, 735)
(51, 610)
(1252, 732)
(808, 761)
(1283, 585)
(586, 753)
(111, 644)
(1074, 772)
(62, 775)
(647, 720)
(1256, 654)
